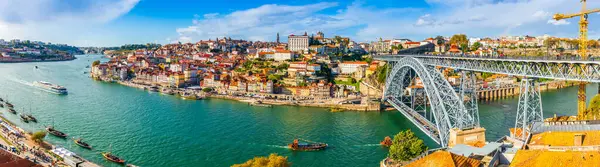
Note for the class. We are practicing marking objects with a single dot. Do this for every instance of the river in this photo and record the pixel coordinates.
(150, 129)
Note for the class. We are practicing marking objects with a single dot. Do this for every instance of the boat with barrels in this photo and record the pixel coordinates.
(109, 156)
(24, 118)
(81, 143)
(31, 118)
(297, 146)
(13, 111)
(51, 130)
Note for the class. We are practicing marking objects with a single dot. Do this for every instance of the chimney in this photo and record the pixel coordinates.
(578, 141)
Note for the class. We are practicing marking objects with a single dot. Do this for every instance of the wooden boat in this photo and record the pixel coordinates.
(10, 105)
(167, 91)
(24, 118)
(109, 156)
(260, 104)
(55, 132)
(80, 142)
(386, 142)
(1, 105)
(189, 96)
(12, 111)
(1, 100)
(336, 109)
(306, 146)
(31, 118)
(153, 89)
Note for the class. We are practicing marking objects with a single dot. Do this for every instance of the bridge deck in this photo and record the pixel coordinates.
(421, 122)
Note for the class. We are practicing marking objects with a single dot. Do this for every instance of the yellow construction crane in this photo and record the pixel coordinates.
(583, 44)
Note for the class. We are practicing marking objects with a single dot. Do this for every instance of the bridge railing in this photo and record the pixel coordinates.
(514, 57)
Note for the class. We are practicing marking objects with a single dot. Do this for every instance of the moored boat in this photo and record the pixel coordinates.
(260, 104)
(1, 105)
(12, 111)
(335, 109)
(24, 118)
(109, 156)
(51, 87)
(80, 142)
(189, 96)
(1, 100)
(153, 89)
(9, 105)
(296, 146)
(31, 118)
(167, 91)
(55, 132)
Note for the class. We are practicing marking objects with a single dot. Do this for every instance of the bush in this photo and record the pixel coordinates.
(406, 146)
(273, 160)
(38, 136)
(207, 90)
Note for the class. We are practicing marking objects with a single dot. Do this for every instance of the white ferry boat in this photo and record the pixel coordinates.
(51, 87)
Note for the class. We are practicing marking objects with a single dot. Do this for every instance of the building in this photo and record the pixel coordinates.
(351, 67)
(445, 159)
(283, 55)
(298, 43)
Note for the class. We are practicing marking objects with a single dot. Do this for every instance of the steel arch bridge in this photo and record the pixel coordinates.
(450, 109)
(447, 108)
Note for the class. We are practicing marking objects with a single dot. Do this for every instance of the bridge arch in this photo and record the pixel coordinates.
(447, 107)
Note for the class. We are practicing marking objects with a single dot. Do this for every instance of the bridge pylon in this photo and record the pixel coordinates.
(468, 90)
(529, 109)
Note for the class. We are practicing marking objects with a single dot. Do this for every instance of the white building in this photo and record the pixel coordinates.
(283, 55)
(351, 67)
(298, 43)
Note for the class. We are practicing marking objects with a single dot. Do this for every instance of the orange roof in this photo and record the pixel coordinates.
(265, 53)
(551, 138)
(355, 62)
(284, 51)
(542, 158)
(444, 159)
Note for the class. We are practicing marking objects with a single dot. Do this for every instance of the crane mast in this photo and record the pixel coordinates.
(583, 44)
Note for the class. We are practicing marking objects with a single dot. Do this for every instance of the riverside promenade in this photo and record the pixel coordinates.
(19, 143)
(270, 99)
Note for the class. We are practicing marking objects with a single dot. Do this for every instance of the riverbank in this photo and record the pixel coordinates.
(26, 60)
(331, 103)
(18, 142)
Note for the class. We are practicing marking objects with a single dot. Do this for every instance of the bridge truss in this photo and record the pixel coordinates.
(447, 109)
(587, 71)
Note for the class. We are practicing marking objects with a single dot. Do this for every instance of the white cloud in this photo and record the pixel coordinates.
(559, 22)
(58, 20)
(262, 23)
(364, 23)
(541, 14)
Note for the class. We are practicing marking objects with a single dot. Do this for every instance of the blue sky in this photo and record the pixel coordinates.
(117, 22)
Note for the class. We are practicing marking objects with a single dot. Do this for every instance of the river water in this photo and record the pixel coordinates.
(150, 129)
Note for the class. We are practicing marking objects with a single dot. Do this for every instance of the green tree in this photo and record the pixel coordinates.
(274, 77)
(283, 66)
(273, 160)
(406, 146)
(593, 112)
(207, 90)
(459, 39)
(38, 136)
(476, 46)
(95, 63)
(381, 72)
(440, 40)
